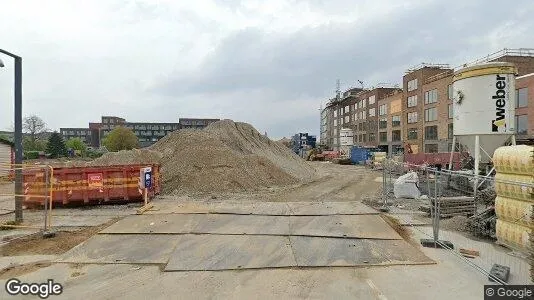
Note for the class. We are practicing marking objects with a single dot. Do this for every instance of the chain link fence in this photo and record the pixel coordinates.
(448, 212)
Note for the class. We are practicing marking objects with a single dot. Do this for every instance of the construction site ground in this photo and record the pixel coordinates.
(313, 240)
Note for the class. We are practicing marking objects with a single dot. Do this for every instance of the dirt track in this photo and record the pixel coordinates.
(336, 183)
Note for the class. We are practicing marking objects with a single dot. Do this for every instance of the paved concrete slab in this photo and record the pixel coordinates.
(80, 221)
(262, 208)
(330, 208)
(230, 207)
(167, 223)
(323, 252)
(195, 223)
(359, 226)
(122, 249)
(223, 252)
(242, 224)
(10, 261)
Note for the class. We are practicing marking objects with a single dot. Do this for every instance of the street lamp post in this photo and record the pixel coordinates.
(18, 133)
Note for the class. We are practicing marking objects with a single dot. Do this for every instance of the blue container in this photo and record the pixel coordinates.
(359, 155)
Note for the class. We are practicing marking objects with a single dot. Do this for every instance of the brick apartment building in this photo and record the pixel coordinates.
(424, 106)
(390, 122)
(148, 133)
(524, 111)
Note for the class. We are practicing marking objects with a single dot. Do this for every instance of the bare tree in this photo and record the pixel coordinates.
(34, 127)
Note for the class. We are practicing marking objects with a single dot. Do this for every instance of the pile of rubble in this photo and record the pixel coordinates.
(226, 156)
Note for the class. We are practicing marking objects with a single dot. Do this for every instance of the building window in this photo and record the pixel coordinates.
(396, 135)
(521, 123)
(383, 110)
(431, 96)
(347, 119)
(372, 100)
(395, 121)
(335, 115)
(412, 117)
(431, 132)
(412, 101)
(450, 131)
(412, 134)
(431, 114)
(450, 111)
(412, 85)
(431, 148)
(372, 137)
(383, 136)
(449, 91)
(364, 103)
(383, 123)
(522, 97)
(364, 138)
(372, 112)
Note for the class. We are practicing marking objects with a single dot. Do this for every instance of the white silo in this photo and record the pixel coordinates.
(484, 108)
(346, 140)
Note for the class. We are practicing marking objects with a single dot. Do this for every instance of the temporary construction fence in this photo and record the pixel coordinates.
(9, 196)
(91, 185)
(477, 250)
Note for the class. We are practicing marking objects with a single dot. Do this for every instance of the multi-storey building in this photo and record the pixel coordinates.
(390, 122)
(195, 123)
(147, 133)
(524, 120)
(419, 116)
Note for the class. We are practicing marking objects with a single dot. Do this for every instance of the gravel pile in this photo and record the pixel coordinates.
(226, 156)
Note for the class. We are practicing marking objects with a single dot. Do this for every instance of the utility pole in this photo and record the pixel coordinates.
(17, 133)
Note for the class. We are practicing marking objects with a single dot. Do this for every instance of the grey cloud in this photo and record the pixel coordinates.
(308, 61)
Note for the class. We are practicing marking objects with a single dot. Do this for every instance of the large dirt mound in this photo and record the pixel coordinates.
(226, 156)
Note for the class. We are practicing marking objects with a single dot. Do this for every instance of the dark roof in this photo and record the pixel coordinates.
(7, 142)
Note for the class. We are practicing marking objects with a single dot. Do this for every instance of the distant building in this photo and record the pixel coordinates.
(524, 111)
(419, 116)
(195, 123)
(302, 141)
(148, 133)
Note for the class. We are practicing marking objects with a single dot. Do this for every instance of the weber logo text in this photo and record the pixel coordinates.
(500, 98)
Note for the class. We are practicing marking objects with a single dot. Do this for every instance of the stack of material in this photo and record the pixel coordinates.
(378, 158)
(224, 157)
(484, 223)
(455, 206)
(515, 195)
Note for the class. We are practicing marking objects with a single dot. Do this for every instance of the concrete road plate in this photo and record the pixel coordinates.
(197, 224)
(358, 226)
(80, 221)
(122, 249)
(325, 252)
(223, 252)
(330, 208)
(153, 224)
(263, 208)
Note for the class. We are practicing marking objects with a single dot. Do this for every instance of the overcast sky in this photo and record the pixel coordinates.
(269, 63)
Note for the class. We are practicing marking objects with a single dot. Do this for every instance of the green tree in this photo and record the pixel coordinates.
(34, 127)
(33, 145)
(121, 138)
(56, 145)
(76, 144)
